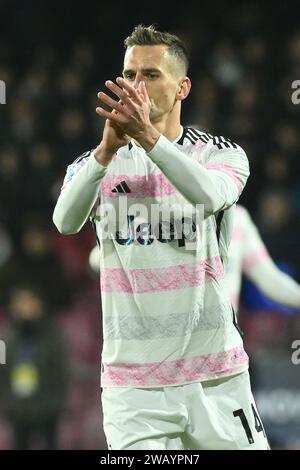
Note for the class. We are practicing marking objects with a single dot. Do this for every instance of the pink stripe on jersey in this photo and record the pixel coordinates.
(229, 171)
(181, 276)
(192, 369)
(140, 186)
(254, 258)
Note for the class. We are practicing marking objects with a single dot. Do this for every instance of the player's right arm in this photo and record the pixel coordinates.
(259, 267)
(81, 184)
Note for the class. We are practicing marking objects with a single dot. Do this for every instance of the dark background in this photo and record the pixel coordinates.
(54, 57)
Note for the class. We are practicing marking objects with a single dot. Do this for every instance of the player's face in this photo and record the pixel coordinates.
(156, 68)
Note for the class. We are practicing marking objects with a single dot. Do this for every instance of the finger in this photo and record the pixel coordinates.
(116, 105)
(114, 110)
(140, 91)
(145, 92)
(100, 92)
(115, 117)
(130, 90)
(120, 93)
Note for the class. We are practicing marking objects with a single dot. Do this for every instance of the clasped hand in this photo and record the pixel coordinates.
(132, 111)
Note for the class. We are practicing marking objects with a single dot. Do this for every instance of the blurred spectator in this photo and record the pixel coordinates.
(36, 261)
(34, 379)
(226, 67)
(5, 246)
(23, 122)
(10, 184)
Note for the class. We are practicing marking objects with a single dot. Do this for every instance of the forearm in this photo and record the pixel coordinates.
(275, 284)
(198, 185)
(78, 197)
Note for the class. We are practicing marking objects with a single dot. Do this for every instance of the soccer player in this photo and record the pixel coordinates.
(248, 255)
(174, 371)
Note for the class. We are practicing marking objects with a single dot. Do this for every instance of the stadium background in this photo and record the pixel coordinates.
(54, 57)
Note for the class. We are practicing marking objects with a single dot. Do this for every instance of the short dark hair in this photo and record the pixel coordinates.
(149, 36)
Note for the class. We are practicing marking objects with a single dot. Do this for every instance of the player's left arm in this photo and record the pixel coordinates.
(217, 183)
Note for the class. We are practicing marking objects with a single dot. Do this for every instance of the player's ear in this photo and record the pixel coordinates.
(184, 88)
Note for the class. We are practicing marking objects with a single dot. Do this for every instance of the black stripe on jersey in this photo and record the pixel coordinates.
(125, 187)
(223, 142)
(180, 141)
(94, 227)
(191, 138)
(205, 135)
(130, 146)
(187, 134)
(193, 135)
(235, 322)
(200, 134)
(122, 187)
(219, 219)
(118, 189)
(82, 156)
(204, 138)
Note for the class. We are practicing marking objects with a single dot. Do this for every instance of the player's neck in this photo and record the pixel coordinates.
(169, 126)
(171, 132)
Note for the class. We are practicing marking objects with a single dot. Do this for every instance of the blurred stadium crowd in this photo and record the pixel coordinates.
(242, 69)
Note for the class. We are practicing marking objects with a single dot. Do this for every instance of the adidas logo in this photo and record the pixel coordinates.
(121, 188)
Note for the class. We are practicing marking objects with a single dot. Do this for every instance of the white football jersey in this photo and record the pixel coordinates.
(167, 317)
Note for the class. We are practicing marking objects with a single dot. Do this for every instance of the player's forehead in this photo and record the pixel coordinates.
(147, 57)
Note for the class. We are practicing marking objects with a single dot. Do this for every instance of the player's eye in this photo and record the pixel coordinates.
(129, 76)
(152, 76)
